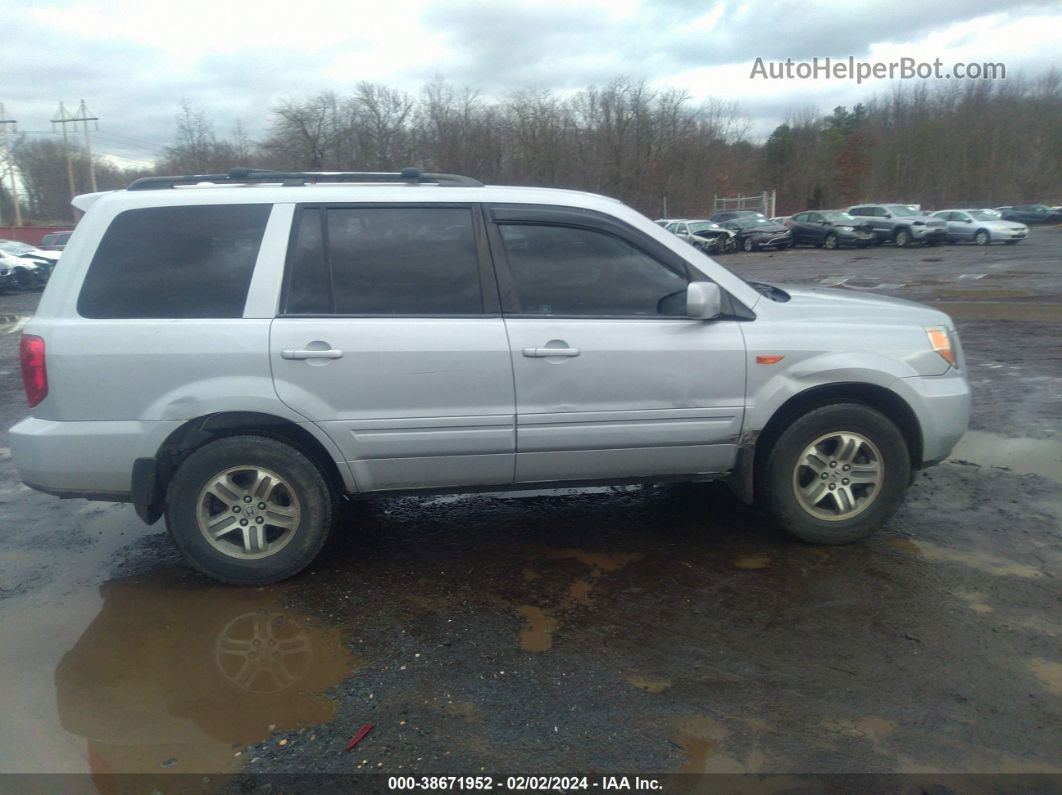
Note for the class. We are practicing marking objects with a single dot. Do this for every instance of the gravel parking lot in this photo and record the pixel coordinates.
(648, 629)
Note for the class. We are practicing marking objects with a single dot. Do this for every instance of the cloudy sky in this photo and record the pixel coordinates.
(132, 61)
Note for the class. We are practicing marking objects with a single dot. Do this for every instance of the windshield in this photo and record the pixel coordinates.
(703, 226)
(903, 209)
(835, 217)
(985, 215)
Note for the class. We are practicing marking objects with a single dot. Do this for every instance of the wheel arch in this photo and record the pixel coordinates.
(752, 457)
(151, 476)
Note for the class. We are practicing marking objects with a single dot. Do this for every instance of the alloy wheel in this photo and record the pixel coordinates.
(838, 476)
(248, 512)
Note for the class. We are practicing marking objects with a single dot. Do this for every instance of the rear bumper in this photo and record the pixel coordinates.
(92, 460)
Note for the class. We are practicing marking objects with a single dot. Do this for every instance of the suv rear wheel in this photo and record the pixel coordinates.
(902, 238)
(837, 474)
(249, 510)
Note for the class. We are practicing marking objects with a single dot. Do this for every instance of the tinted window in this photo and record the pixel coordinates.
(386, 261)
(565, 271)
(175, 262)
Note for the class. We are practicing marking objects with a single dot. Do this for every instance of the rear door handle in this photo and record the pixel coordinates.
(542, 353)
(301, 353)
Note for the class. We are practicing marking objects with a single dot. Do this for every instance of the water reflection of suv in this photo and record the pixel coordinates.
(902, 224)
(242, 356)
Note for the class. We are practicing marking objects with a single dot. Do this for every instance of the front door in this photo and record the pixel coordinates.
(390, 339)
(612, 380)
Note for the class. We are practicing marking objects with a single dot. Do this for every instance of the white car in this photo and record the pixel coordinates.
(26, 251)
(981, 227)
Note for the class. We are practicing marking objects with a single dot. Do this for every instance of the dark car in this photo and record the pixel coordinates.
(829, 229)
(8, 279)
(754, 232)
(56, 241)
(1031, 214)
(730, 215)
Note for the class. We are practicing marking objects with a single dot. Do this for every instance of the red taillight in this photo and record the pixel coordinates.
(34, 373)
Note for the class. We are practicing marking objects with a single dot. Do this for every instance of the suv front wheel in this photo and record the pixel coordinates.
(249, 510)
(837, 474)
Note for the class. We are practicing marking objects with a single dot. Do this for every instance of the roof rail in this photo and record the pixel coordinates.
(245, 176)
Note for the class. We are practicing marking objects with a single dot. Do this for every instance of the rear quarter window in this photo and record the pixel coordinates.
(175, 262)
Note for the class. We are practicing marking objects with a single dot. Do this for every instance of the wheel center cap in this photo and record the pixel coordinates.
(250, 511)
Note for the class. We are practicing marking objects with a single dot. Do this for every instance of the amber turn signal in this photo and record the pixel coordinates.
(941, 342)
(774, 358)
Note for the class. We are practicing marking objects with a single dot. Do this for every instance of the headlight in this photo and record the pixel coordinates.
(940, 340)
(845, 228)
(918, 223)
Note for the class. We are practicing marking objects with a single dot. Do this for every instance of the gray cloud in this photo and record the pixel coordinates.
(497, 47)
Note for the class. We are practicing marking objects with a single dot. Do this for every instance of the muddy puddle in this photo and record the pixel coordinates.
(175, 675)
(1041, 457)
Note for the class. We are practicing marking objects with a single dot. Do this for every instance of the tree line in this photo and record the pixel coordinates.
(970, 143)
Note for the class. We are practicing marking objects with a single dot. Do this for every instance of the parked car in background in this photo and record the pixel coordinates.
(730, 215)
(1031, 214)
(829, 229)
(754, 232)
(28, 273)
(46, 259)
(55, 241)
(981, 227)
(902, 224)
(781, 219)
(708, 237)
(321, 343)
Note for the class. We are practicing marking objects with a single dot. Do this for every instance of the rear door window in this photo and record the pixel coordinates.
(175, 262)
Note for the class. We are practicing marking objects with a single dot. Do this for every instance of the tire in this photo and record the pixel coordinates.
(830, 242)
(873, 505)
(296, 496)
(902, 238)
(981, 237)
(747, 245)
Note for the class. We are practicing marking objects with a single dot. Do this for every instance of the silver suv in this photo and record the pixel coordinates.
(242, 353)
(902, 224)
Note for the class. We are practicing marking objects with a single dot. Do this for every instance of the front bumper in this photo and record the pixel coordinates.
(942, 406)
(784, 239)
(8, 280)
(929, 233)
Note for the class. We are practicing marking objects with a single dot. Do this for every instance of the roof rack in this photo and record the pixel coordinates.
(244, 176)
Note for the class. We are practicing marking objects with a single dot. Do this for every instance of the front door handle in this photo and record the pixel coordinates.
(542, 353)
(301, 353)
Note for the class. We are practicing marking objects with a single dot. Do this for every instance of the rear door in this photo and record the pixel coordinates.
(390, 338)
(612, 379)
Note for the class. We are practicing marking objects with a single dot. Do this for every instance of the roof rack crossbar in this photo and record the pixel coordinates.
(243, 176)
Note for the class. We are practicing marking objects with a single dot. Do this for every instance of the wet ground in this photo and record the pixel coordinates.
(642, 629)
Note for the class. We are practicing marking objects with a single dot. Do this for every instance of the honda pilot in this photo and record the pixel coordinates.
(242, 353)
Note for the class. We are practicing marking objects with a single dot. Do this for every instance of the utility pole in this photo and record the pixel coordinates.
(63, 120)
(83, 115)
(4, 122)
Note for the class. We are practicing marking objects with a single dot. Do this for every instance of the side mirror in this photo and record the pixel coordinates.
(968, 220)
(704, 300)
(887, 215)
